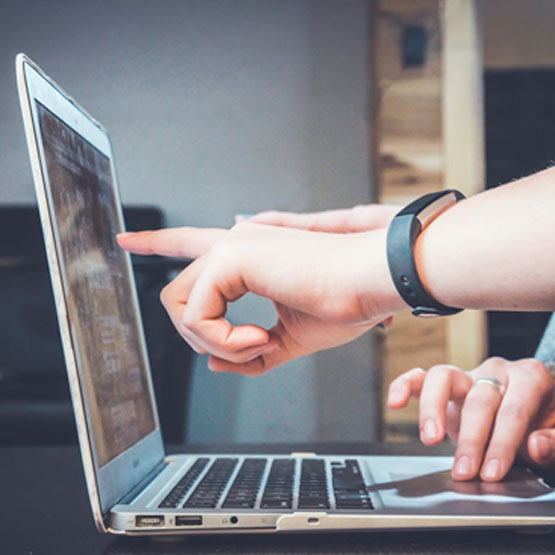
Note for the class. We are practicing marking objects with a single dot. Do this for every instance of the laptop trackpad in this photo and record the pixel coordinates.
(425, 482)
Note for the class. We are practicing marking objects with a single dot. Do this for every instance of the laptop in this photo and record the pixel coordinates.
(133, 486)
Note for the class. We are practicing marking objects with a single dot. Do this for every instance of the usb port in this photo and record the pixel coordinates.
(149, 520)
(188, 520)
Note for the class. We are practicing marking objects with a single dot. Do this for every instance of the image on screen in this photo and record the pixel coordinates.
(97, 288)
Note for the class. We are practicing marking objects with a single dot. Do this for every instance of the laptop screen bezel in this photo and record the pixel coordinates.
(115, 479)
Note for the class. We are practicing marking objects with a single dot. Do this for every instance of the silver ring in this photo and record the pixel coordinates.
(491, 381)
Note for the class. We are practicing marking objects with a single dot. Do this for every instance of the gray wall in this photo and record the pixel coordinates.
(217, 108)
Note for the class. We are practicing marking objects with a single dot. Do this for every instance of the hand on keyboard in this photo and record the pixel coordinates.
(492, 413)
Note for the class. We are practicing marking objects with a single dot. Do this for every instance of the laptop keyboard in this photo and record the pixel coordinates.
(280, 490)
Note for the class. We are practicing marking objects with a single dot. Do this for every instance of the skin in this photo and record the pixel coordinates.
(328, 277)
(486, 252)
(490, 428)
(332, 311)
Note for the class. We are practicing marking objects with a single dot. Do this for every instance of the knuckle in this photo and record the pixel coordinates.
(536, 370)
(439, 371)
(188, 320)
(414, 372)
(223, 249)
(494, 363)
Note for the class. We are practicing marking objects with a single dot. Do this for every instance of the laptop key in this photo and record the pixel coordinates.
(349, 487)
(314, 504)
(243, 492)
(208, 492)
(179, 491)
(275, 504)
(278, 493)
(313, 491)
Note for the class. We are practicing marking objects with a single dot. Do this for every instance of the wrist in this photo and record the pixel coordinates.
(438, 252)
(378, 295)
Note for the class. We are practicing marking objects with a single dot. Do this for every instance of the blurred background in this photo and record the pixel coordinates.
(217, 108)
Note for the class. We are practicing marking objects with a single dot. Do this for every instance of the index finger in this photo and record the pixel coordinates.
(182, 242)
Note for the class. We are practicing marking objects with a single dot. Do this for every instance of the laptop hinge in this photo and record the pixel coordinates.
(138, 488)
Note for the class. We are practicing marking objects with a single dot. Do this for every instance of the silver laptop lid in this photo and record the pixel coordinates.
(94, 290)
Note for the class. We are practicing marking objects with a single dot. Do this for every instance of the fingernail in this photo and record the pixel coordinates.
(544, 446)
(124, 234)
(463, 466)
(493, 469)
(430, 429)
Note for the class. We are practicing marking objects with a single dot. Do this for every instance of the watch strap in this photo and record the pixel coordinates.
(403, 231)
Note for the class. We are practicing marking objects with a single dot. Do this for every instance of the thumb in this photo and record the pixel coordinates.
(541, 446)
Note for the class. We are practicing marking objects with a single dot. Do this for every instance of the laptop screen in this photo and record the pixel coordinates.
(97, 285)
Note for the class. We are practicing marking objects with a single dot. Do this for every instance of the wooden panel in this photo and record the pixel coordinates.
(408, 161)
(407, 119)
(427, 129)
(463, 124)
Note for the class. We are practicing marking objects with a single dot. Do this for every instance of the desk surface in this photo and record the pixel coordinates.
(44, 510)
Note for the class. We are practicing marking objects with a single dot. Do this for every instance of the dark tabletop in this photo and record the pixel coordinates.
(44, 509)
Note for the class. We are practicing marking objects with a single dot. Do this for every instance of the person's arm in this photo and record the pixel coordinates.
(490, 424)
(493, 251)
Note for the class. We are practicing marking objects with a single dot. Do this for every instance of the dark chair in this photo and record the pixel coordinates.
(35, 406)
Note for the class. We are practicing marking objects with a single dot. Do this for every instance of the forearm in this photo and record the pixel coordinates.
(495, 250)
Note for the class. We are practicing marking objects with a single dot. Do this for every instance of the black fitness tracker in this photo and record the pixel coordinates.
(401, 236)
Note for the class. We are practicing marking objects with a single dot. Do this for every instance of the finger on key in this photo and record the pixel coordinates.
(477, 419)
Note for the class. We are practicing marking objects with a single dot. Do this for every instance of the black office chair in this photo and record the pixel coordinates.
(35, 406)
